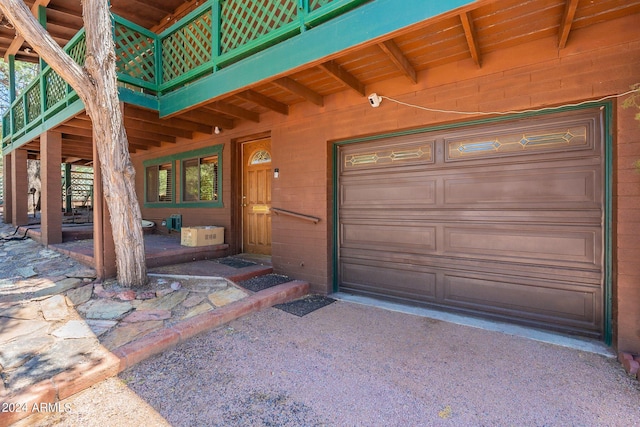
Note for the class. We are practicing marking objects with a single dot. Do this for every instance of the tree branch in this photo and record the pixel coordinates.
(30, 29)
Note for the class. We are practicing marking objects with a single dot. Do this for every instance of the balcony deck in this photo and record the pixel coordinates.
(215, 35)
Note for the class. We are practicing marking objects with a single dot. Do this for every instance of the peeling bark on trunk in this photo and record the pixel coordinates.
(96, 85)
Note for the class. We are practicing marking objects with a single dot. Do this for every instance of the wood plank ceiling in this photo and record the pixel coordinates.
(470, 32)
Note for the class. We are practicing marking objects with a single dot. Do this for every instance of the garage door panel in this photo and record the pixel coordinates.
(568, 217)
(526, 244)
(413, 284)
(551, 246)
(543, 187)
(569, 304)
(406, 192)
(589, 277)
(389, 237)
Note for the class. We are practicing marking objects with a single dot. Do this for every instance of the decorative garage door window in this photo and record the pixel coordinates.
(418, 153)
(491, 145)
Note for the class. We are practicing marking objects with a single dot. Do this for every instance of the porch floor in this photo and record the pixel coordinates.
(160, 249)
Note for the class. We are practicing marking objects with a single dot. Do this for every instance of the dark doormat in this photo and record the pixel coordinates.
(303, 306)
(259, 283)
(235, 262)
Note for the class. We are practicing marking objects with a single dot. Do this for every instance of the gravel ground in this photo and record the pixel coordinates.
(352, 365)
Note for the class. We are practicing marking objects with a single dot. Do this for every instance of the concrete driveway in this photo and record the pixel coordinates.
(355, 365)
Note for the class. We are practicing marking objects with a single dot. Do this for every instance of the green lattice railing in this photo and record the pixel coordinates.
(215, 35)
(6, 123)
(241, 23)
(187, 47)
(135, 54)
(33, 98)
(43, 97)
(18, 116)
(221, 32)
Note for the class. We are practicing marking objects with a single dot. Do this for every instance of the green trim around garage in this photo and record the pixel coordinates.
(608, 223)
(175, 160)
(607, 130)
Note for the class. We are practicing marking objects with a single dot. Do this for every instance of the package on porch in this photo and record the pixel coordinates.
(202, 236)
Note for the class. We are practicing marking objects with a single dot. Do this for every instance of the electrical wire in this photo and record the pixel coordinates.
(503, 113)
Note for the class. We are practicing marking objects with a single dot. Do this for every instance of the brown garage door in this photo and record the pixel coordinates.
(504, 219)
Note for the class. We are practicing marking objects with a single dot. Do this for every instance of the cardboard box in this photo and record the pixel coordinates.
(202, 236)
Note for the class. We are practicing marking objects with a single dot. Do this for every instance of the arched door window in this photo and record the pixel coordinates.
(260, 157)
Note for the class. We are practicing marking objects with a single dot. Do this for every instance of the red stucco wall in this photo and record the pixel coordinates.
(598, 61)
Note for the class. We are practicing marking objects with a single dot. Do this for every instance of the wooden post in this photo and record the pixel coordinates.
(51, 213)
(7, 209)
(103, 246)
(19, 188)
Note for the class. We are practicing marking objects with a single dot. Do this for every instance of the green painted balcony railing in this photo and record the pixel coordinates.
(215, 35)
(44, 97)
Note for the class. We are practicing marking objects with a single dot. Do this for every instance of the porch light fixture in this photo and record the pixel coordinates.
(217, 130)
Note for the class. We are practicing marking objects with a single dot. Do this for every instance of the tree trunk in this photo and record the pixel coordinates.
(96, 85)
(118, 173)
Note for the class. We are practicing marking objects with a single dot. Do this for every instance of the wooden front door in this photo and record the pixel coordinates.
(256, 197)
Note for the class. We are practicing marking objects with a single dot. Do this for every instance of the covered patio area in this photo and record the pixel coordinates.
(160, 249)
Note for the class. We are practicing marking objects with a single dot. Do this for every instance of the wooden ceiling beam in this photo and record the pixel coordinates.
(74, 130)
(19, 40)
(471, 36)
(566, 23)
(153, 11)
(77, 153)
(151, 138)
(72, 160)
(32, 146)
(173, 16)
(137, 144)
(399, 59)
(296, 88)
(78, 138)
(174, 122)
(233, 110)
(264, 101)
(65, 16)
(138, 139)
(58, 31)
(206, 118)
(131, 123)
(80, 122)
(142, 131)
(343, 76)
(70, 148)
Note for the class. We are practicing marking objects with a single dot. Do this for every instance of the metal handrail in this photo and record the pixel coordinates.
(309, 218)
